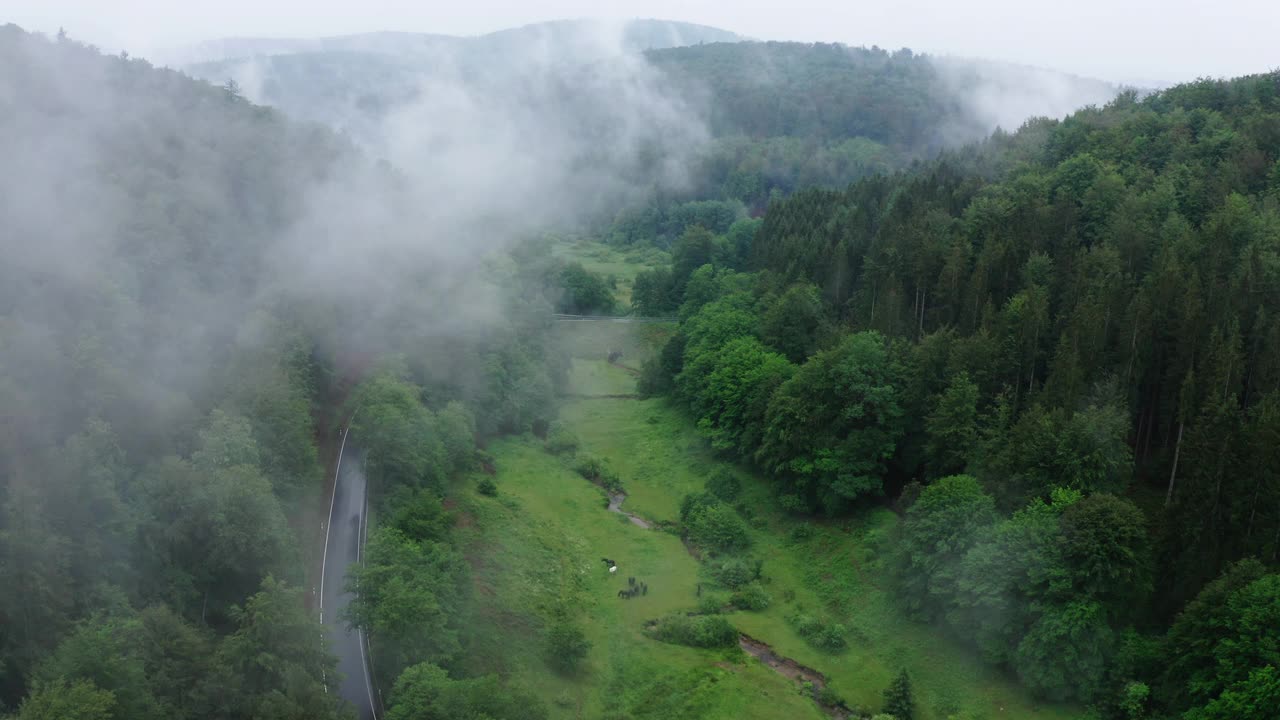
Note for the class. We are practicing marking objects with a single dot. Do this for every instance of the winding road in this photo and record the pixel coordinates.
(344, 542)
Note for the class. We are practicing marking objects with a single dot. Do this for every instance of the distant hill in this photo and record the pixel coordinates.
(630, 36)
(913, 102)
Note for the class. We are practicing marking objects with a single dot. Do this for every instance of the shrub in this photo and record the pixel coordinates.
(597, 471)
(487, 487)
(567, 645)
(705, 631)
(588, 466)
(724, 485)
(801, 532)
(711, 604)
(830, 697)
(718, 529)
(751, 596)
(734, 572)
(694, 503)
(820, 634)
(560, 441)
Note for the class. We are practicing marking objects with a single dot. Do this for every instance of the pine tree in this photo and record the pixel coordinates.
(897, 698)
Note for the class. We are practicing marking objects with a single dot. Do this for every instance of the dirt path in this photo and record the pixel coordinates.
(789, 668)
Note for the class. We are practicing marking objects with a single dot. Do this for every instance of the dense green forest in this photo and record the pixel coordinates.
(1054, 354)
(166, 401)
(1058, 354)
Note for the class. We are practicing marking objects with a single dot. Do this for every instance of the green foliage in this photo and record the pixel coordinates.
(1105, 552)
(487, 487)
(822, 634)
(831, 427)
(751, 596)
(898, 700)
(281, 662)
(597, 471)
(941, 526)
(724, 485)
(952, 427)
(410, 596)
(426, 692)
(795, 323)
(735, 572)
(704, 631)
(716, 527)
(561, 440)
(567, 646)
(418, 515)
(1254, 698)
(79, 700)
(584, 292)
(1065, 652)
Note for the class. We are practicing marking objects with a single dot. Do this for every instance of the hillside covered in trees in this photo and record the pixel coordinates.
(778, 116)
(1053, 353)
(175, 350)
(1058, 353)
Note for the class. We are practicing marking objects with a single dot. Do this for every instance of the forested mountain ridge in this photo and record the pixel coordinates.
(635, 35)
(182, 302)
(1081, 317)
(780, 115)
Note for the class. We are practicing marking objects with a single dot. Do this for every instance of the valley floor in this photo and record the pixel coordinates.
(536, 551)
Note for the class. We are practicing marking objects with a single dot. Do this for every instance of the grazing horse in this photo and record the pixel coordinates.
(631, 581)
(607, 561)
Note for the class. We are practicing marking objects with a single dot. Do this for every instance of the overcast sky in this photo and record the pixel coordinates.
(1142, 41)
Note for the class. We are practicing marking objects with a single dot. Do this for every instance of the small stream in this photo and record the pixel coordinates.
(789, 668)
(615, 505)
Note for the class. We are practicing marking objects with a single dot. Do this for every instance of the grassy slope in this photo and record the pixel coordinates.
(537, 548)
(837, 571)
(607, 260)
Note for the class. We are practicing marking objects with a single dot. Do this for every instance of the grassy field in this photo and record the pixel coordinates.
(830, 569)
(537, 550)
(610, 261)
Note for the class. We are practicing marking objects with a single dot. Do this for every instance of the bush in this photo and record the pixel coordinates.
(594, 469)
(694, 503)
(560, 441)
(820, 634)
(711, 604)
(567, 645)
(589, 466)
(487, 487)
(801, 532)
(829, 697)
(751, 596)
(704, 631)
(735, 572)
(717, 528)
(724, 485)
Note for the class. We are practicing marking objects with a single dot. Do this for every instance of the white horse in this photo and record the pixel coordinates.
(613, 569)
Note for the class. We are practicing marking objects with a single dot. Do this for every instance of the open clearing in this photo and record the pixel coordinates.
(537, 551)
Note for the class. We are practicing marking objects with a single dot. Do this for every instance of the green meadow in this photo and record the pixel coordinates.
(536, 551)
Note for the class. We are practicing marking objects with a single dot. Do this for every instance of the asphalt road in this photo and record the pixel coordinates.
(344, 541)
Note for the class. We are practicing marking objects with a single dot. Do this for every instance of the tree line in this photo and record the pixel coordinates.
(165, 398)
(1058, 350)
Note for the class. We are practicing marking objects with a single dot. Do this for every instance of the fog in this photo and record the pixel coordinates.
(1142, 42)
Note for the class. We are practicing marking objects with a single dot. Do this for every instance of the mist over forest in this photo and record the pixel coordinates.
(645, 370)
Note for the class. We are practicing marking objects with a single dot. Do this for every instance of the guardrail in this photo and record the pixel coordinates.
(612, 318)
